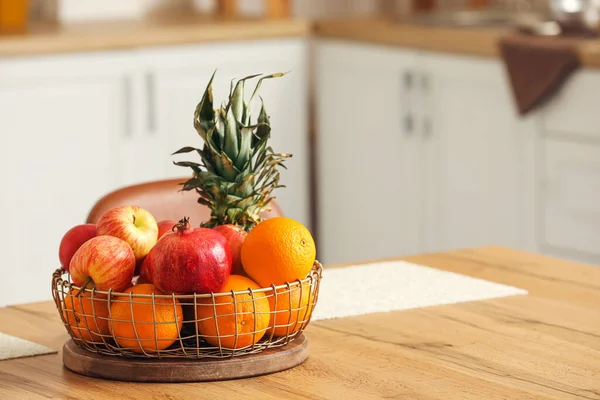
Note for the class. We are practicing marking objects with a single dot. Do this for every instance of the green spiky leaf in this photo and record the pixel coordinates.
(183, 150)
(204, 115)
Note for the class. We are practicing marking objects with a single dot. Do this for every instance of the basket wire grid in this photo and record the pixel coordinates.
(199, 325)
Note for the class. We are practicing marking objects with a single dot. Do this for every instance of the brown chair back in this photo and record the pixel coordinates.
(164, 200)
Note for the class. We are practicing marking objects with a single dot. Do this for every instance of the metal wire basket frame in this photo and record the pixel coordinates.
(87, 313)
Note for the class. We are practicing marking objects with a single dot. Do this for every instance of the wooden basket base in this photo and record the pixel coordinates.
(182, 370)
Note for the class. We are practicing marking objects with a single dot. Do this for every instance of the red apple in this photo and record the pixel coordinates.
(235, 237)
(189, 260)
(138, 266)
(72, 240)
(104, 262)
(165, 226)
(132, 224)
(145, 274)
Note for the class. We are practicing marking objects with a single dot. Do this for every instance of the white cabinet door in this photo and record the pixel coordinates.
(58, 141)
(573, 111)
(368, 177)
(571, 199)
(177, 79)
(478, 157)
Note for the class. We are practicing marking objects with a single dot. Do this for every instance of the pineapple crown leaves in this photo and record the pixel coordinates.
(238, 170)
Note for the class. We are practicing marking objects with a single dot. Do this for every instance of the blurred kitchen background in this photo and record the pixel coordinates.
(416, 126)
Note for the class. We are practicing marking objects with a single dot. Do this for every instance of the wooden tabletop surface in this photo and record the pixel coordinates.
(477, 41)
(52, 38)
(544, 345)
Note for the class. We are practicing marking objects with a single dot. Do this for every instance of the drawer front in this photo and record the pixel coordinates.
(573, 111)
(571, 197)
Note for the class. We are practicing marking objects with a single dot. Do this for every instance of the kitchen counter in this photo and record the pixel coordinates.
(543, 345)
(468, 41)
(51, 38)
(48, 38)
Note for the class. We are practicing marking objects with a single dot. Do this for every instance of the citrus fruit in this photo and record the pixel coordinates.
(278, 250)
(134, 325)
(291, 308)
(87, 317)
(236, 326)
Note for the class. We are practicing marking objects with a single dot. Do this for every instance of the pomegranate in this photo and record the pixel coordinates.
(235, 236)
(189, 260)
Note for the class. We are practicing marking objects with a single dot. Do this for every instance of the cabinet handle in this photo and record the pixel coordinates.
(128, 98)
(408, 122)
(151, 104)
(427, 128)
(427, 106)
(408, 80)
(425, 83)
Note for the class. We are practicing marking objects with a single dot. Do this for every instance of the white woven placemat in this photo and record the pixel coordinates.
(14, 347)
(398, 285)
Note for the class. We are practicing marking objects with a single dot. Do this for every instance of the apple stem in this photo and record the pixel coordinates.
(87, 282)
(134, 219)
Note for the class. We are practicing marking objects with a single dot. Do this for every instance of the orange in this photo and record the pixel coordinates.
(87, 317)
(133, 323)
(246, 327)
(278, 250)
(291, 309)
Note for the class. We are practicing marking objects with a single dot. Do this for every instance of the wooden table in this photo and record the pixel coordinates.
(545, 345)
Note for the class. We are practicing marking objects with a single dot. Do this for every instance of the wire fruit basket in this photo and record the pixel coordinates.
(191, 326)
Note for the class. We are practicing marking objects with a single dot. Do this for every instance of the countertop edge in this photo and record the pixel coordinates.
(151, 36)
(475, 41)
(480, 42)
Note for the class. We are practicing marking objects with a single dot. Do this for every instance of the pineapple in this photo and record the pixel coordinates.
(238, 170)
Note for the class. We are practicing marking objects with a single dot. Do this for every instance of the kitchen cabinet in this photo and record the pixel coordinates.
(572, 111)
(368, 187)
(478, 158)
(571, 217)
(75, 127)
(418, 152)
(61, 122)
(177, 78)
(570, 172)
